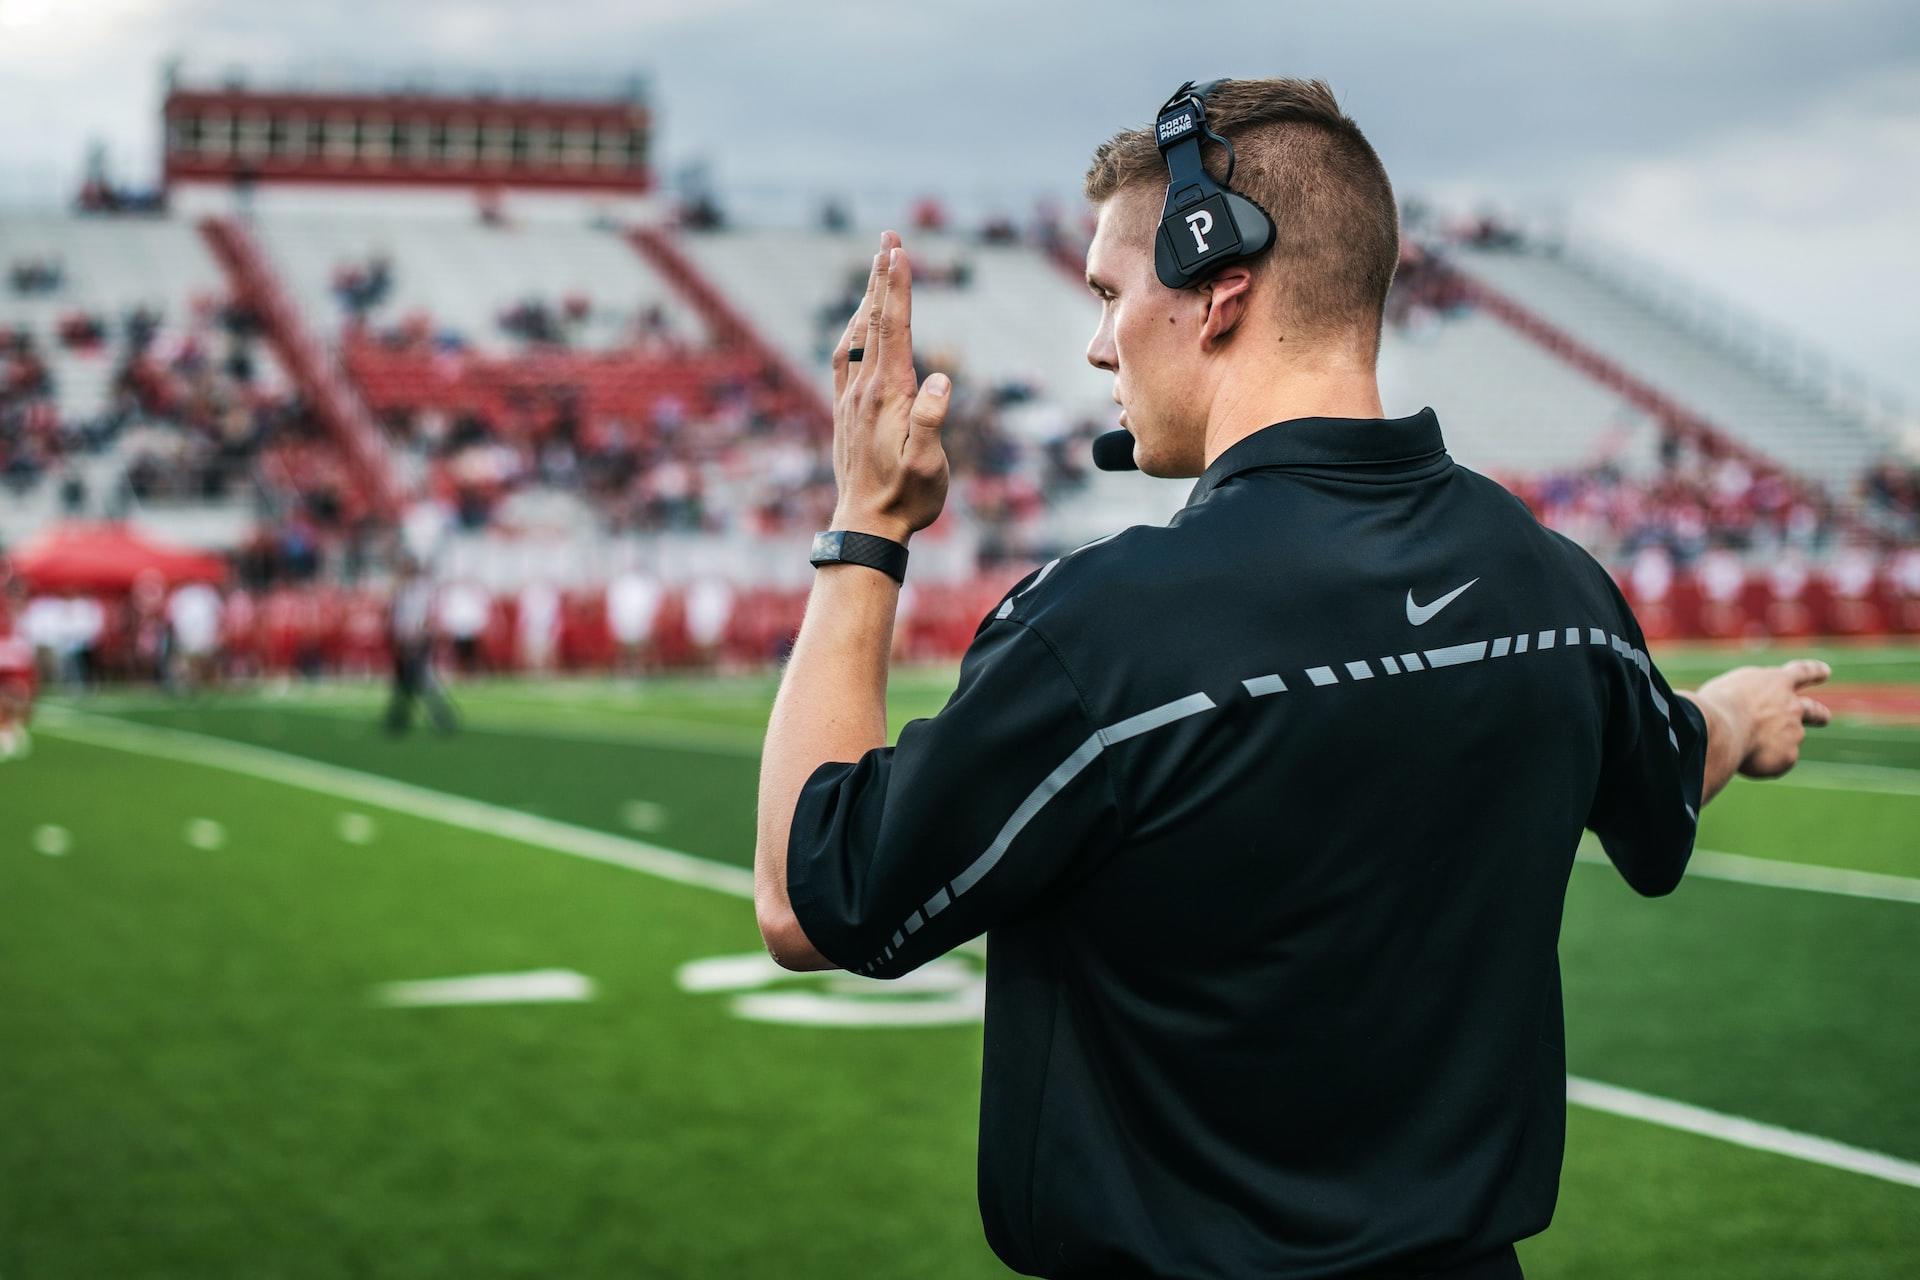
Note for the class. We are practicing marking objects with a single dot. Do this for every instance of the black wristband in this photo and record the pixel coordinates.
(844, 546)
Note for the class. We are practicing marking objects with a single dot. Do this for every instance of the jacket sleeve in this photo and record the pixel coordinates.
(1647, 805)
(976, 815)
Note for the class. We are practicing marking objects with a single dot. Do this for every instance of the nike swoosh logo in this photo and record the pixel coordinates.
(1421, 614)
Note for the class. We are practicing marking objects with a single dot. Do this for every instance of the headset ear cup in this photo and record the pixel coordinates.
(1165, 264)
(1252, 221)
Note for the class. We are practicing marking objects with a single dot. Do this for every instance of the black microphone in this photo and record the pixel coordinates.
(1113, 451)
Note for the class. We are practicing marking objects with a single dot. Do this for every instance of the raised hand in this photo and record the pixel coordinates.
(888, 463)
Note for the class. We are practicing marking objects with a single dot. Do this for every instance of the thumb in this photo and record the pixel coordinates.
(930, 405)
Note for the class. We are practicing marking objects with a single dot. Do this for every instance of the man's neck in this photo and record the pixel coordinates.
(1333, 390)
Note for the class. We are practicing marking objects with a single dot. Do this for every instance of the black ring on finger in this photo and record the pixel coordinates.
(854, 354)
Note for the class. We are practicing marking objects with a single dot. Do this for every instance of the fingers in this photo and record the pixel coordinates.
(1814, 712)
(892, 349)
(1806, 671)
(929, 412)
(870, 307)
(845, 368)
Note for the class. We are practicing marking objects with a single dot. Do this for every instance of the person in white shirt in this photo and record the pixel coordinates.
(709, 609)
(464, 607)
(539, 625)
(633, 606)
(193, 614)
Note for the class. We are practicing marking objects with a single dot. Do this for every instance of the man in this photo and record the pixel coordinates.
(1270, 811)
(193, 614)
(410, 638)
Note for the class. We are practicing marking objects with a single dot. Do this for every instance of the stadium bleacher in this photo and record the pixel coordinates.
(1804, 431)
(464, 275)
(562, 392)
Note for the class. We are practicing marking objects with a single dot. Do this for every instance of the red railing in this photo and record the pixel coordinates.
(1691, 426)
(312, 367)
(730, 328)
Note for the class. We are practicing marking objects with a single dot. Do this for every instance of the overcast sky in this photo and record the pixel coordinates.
(1767, 149)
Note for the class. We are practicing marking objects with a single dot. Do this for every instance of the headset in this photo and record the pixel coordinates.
(1204, 225)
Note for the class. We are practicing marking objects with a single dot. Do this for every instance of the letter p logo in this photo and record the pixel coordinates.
(1200, 221)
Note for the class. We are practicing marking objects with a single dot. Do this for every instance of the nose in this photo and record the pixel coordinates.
(1100, 352)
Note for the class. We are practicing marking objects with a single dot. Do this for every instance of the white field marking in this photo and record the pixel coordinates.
(541, 986)
(942, 993)
(684, 868)
(643, 815)
(402, 797)
(675, 735)
(1845, 727)
(205, 833)
(1771, 873)
(355, 828)
(1740, 1131)
(1881, 779)
(53, 841)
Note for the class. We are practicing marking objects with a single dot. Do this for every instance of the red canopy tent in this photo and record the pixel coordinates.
(104, 557)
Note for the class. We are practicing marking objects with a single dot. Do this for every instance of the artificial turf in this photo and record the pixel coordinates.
(199, 1083)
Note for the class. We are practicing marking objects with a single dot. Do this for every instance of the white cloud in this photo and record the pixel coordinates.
(1817, 226)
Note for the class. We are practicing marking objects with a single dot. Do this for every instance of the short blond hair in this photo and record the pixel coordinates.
(1297, 155)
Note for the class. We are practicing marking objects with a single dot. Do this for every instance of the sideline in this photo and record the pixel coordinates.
(1772, 873)
(1740, 1131)
(685, 868)
(401, 797)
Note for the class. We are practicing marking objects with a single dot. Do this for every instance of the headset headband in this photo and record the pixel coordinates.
(1204, 225)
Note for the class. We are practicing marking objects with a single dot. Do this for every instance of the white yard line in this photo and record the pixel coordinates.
(402, 797)
(636, 855)
(539, 986)
(1740, 1131)
(1771, 873)
(1881, 779)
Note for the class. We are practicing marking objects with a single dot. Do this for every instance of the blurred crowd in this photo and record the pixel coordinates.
(193, 410)
(1693, 501)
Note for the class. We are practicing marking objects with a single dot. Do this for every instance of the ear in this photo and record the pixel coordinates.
(1226, 297)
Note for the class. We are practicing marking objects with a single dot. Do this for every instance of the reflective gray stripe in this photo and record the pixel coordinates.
(937, 903)
(1596, 636)
(1455, 654)
(1360, 670)
(1388, 665)
(1067, 770)
(1411, 661)
(1261, 686)
(1500, 646)
(914, 922)
(1047, 568)
(1165, 713)
(1038, 578)
(1573, 635)
(1520, 642)
(1546, 639)
(1322, 675)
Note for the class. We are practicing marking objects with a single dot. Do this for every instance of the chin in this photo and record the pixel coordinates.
(1154, 460)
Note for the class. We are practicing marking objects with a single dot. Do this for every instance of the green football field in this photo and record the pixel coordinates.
(208, 1071)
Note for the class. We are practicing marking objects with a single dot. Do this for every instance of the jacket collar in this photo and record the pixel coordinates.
(1326, 442)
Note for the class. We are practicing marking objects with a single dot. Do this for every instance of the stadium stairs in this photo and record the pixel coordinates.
(313, 369)
(1583, 309)
(729, 326)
